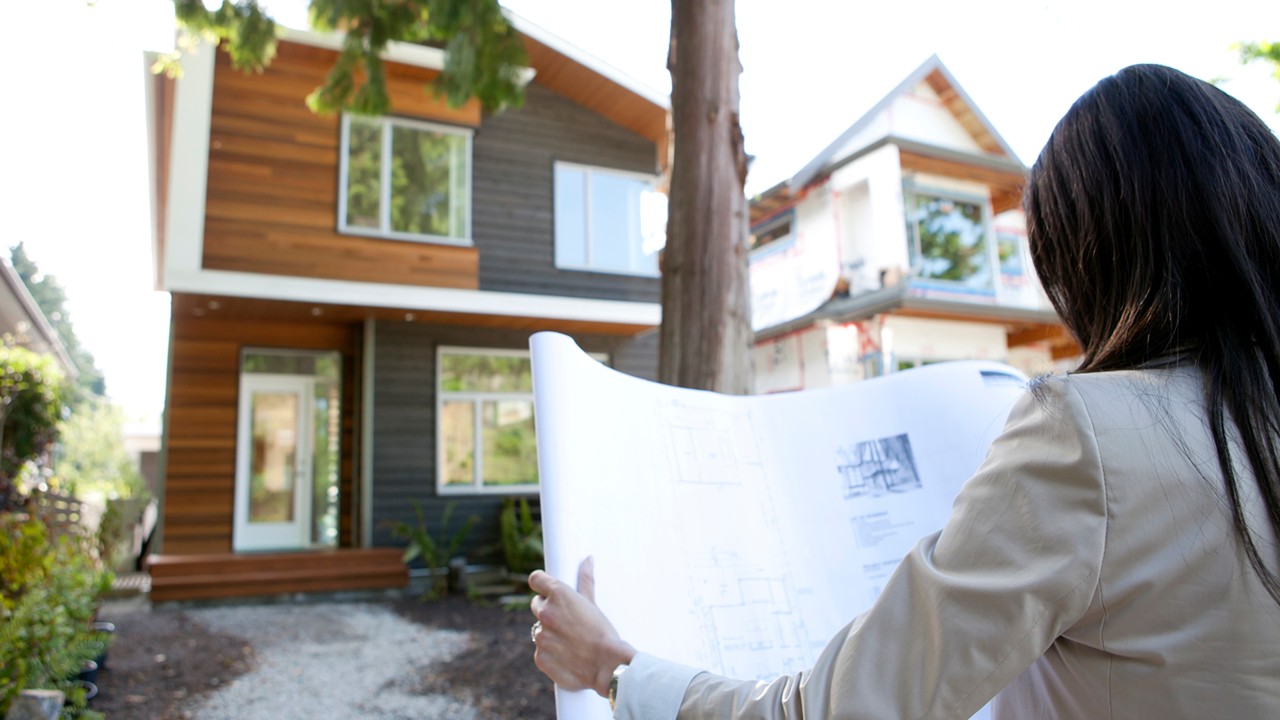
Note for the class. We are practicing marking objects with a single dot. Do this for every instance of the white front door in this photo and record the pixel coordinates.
(274, 436)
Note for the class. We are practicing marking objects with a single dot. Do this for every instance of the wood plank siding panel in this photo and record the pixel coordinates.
(204, 576)
(201, 437)
(271, 203)
(586, 87)
(512, 181)
(404, 425)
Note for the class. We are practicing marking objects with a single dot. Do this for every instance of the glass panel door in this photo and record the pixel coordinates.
(273, 463)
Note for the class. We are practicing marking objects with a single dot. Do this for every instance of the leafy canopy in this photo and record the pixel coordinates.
(52, 300)
(484, 54)
(32, 392)
(91, 458)
(1262, 50)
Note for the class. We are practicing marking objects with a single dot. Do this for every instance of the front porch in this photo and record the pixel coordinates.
(192, 577)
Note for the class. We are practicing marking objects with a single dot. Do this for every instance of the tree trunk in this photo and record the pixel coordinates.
(706, 311)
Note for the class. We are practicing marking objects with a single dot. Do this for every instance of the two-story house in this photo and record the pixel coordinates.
(901, 243)
(352, 299)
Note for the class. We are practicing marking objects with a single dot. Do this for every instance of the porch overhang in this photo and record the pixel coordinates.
(476, 309)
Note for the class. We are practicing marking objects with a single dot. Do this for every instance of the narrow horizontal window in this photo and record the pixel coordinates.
(608, 220)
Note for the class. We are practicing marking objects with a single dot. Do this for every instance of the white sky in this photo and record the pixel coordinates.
(73, 173)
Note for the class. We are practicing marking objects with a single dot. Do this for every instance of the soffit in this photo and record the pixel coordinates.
(257, 310)
(594, 91)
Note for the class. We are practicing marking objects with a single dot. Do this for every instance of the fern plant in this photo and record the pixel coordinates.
(521, 536)
(435, 550)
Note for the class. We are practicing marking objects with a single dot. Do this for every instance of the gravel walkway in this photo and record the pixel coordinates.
(331, 661)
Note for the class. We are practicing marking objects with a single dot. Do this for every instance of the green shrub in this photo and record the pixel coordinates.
(51, 590)
(521, 536)
(32, 390)
(435, 551)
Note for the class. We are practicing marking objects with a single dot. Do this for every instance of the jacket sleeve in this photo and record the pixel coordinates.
(970, 607)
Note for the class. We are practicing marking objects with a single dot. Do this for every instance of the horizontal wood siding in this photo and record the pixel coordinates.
(272, 198)
(404, 430)
(512, 182)
(201, 435)
(206, 576)
(636, 356)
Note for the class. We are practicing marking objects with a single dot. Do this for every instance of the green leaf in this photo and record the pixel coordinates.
(485, 56)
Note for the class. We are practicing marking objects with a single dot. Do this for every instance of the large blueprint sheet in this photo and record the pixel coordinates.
(739, 534)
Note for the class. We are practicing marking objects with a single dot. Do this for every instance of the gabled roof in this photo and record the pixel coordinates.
(953, 97)
(596, 85)
(555, 63)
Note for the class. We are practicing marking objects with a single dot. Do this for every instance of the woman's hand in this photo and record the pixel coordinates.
(577, 646)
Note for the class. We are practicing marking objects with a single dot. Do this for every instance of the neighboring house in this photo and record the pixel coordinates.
(352, 300)
(23, 323)
(902, 243)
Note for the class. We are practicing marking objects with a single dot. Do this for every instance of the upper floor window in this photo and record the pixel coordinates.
(608, 220)
(405, 179)
(951, 240)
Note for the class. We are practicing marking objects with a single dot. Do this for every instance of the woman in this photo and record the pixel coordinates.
(1116, 554)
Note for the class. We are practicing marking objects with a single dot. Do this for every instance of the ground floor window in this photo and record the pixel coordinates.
(485, 431)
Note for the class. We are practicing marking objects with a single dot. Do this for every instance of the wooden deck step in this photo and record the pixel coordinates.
(200, 577)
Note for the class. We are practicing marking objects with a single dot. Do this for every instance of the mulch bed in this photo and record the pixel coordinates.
(496, 675)
(163, 662)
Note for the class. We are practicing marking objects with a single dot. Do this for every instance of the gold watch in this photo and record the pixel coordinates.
(613, 686)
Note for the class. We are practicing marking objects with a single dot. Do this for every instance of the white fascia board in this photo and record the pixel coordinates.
(408, 297)
(401, 52)
(153, 211)
(189, 163)
(581, 56)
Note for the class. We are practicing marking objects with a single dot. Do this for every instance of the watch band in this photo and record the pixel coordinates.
(613, 686)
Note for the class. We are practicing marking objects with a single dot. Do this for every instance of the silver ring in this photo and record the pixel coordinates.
(533, 631)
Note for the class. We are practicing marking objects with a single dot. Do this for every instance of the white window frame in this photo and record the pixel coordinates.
(588, 170)
(386, 124)
(477, 486)
(912, 194)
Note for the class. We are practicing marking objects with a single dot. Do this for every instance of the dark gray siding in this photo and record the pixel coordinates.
(404, 429)
(512, 181)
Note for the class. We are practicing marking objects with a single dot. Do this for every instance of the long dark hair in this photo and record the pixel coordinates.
(1153, 215)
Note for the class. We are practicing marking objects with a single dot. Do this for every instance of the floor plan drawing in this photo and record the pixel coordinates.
(710, 445)
(751, 625)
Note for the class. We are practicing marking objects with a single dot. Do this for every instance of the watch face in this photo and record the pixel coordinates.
(613, 686)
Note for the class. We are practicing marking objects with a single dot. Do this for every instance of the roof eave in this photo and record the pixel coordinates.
(898, 298)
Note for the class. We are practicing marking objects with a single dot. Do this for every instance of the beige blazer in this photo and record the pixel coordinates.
(1088, 570)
